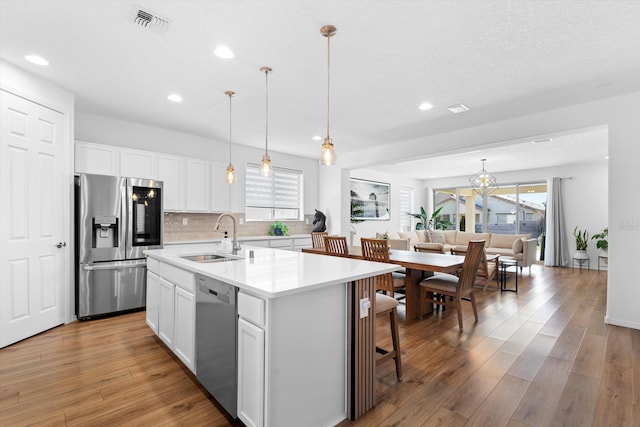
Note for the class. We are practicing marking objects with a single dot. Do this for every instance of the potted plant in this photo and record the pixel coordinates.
(582, 241)
(278, 229)
(602, 242)
(429, 223)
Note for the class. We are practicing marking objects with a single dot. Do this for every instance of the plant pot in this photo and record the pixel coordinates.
(277, 232)
(580, 254)
(603, 253)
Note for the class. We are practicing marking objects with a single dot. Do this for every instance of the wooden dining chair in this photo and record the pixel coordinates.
(460, 287)
(317, 238)
(487, 270)
(386, 304)
(378, 250)
(336, 245)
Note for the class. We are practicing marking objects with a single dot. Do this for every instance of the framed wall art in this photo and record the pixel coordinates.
(370, 200)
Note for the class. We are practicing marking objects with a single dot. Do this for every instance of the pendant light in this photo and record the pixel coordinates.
(483, 182)
(265, 166)
(230, 174)
(328, 155)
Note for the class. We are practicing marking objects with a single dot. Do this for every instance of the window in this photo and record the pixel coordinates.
(277, 197)
(406, 203)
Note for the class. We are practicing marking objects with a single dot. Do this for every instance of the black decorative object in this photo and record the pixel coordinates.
(319, 221)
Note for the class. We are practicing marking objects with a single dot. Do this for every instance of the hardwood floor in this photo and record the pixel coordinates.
(541, 357)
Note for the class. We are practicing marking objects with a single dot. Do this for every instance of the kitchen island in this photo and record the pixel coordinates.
(304, 353)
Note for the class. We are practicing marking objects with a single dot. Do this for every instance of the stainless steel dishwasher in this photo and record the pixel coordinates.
(216, 340)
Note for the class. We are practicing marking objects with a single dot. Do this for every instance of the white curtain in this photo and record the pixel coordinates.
(556, 252)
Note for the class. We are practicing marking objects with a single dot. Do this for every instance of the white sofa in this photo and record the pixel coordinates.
(519, 246)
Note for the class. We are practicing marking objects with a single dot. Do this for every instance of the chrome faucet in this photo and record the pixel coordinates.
(236, 245)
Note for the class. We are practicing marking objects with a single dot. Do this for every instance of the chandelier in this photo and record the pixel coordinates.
(483, 182)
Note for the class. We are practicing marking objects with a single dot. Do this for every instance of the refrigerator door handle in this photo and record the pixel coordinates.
(114, 265)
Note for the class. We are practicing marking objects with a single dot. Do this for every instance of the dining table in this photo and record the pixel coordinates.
(418, 265)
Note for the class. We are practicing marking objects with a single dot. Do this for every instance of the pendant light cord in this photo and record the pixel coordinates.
(328, 81)
(266, 115)
(230, 118)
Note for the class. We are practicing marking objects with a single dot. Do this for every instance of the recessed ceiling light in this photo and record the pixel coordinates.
(317, 138)
(174, 97)
(223, 52)
(35, 59)
(425, 106)
(538, 141)
(459, 108)
(606, 157)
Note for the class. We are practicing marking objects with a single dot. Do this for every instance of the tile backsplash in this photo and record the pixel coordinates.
(199, 226)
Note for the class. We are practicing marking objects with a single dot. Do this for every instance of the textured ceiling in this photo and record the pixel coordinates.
(501, 58)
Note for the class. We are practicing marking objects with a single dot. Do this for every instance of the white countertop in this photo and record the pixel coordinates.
(272, 273)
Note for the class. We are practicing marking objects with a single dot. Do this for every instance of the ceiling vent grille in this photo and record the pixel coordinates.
(459, 108)
(149, 20)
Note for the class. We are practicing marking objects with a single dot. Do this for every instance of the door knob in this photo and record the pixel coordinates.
(61, 245)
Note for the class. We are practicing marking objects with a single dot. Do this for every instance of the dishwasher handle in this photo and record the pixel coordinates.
(222, 297)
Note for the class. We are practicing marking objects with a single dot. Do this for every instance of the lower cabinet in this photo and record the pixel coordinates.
(171, 311)
(250, 374)
(185, 318)
(153, 298)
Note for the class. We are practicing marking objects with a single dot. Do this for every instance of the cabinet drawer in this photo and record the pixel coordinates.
(178, 276)
(153, 265)
(280, 243)
(251, 308)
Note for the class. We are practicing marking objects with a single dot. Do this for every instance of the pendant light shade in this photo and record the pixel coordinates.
(265, 165)
(230, 174)
(328, 154)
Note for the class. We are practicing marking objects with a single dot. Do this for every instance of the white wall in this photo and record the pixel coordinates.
(370, 228)
(105, 130)
(585, 195)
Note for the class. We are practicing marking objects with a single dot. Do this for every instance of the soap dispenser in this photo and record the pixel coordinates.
(226, 243)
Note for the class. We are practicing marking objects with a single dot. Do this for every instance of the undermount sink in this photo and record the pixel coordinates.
(208, 258)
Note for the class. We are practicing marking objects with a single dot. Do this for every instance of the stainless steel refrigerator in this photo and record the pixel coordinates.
(116, 220)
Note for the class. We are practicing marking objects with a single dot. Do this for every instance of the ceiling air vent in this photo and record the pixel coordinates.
(149, 20)
(459, 108)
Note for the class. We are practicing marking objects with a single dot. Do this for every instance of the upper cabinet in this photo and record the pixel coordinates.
(190, 184)
(171, 173)
(220, 190)
(198, 185)
(138, 164)
(96, 158)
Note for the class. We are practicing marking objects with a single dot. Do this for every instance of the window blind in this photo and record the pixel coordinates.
(281, 190)
(406, 203)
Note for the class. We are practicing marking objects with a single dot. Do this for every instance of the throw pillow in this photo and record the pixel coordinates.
(518, 246)
(422, 236)
(437, 236)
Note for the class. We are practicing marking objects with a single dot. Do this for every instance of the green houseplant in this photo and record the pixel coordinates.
(602, 241)
(582, 241)
(278, 229)
(429, 223)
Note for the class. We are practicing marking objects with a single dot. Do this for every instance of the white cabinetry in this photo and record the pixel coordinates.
(251, 359)
(153, 300)
(197, 182)
(171, 309)
(138, 163)
(250, 374)
(170, 172)
(220, 190)
(185, 327)
(96, 158)
(190, 184)
(166, 317)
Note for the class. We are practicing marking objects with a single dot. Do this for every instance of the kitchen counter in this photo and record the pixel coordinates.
(272, 273)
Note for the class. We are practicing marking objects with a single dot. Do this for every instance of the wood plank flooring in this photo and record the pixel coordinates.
(541, 357)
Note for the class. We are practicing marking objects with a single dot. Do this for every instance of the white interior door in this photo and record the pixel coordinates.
(32, 194)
